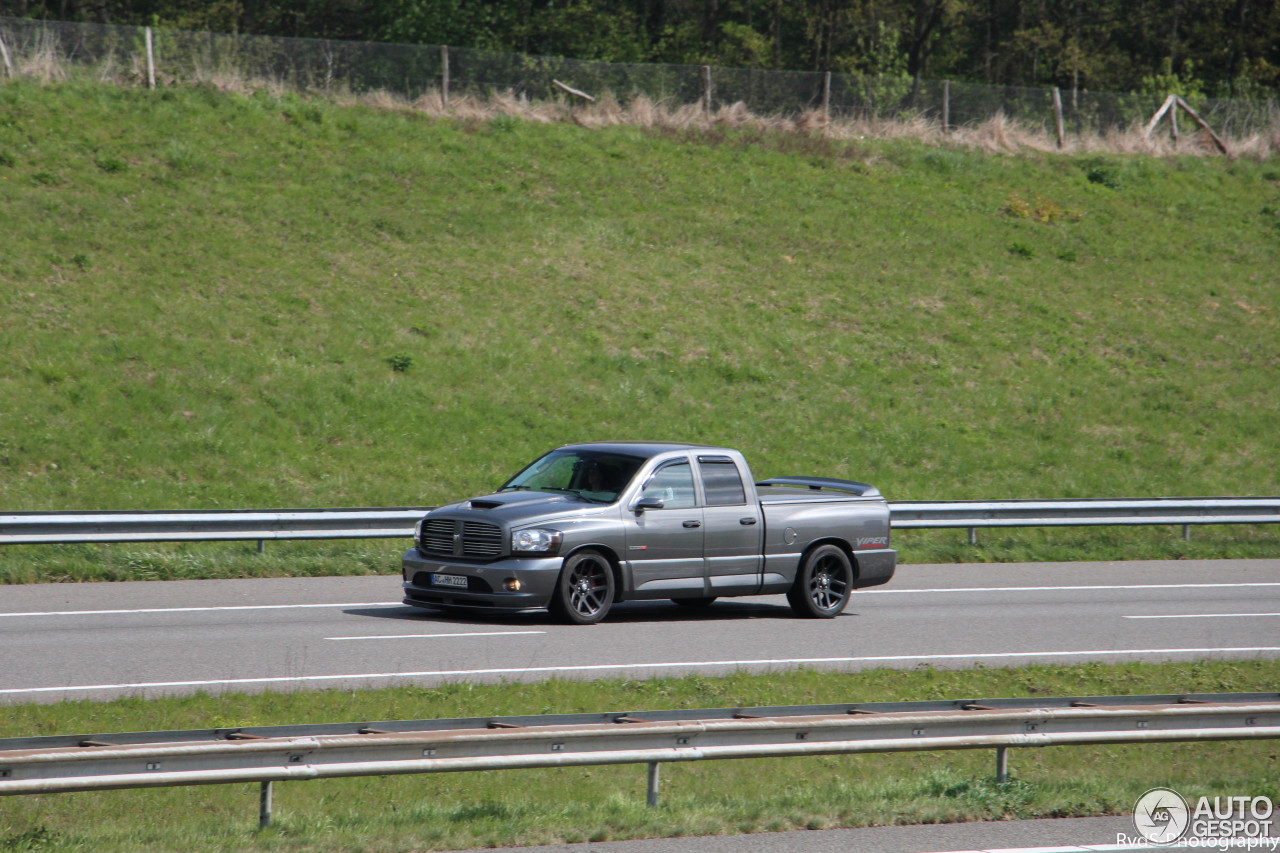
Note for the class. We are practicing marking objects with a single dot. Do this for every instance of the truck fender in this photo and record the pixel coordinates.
(830, 540)
(615, 565)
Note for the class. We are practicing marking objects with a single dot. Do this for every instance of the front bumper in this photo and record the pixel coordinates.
(537, 577)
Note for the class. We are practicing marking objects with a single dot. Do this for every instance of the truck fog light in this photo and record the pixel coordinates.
(511, 585)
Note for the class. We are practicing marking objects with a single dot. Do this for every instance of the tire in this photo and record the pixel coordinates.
(823, 584)
(585, 590)
(695, 603)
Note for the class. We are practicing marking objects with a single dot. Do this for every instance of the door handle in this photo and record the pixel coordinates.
(748, 521)
(693, 524)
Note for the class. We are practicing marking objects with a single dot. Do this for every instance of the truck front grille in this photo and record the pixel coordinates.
(461, 538)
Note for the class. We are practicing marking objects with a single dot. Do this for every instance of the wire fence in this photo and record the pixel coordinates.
(144, 55)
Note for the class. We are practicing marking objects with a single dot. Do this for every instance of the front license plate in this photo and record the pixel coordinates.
(449, 580)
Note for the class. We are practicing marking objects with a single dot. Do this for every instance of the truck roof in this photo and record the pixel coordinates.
(642, 448)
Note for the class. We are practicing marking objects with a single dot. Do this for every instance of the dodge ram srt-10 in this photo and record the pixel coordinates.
(589, 525)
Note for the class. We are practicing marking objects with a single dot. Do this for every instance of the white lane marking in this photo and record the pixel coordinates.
(1201, 615)
(601, 667)
(434, 636)
(201, 609)
(1065, 848)
(1067, 588)
(860, 592)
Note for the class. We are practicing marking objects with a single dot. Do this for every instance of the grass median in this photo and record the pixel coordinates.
(525, 807)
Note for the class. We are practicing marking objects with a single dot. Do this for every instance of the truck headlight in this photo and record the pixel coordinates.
(536, 540)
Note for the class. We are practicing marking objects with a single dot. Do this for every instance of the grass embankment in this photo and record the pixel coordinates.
(218, 300)
(450, 811)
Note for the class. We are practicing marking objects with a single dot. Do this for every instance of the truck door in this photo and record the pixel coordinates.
(664, 545)
(733, 543)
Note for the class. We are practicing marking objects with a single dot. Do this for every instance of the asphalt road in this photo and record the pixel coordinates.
(72, 641)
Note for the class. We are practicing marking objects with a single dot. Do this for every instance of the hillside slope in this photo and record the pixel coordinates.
(218, 300)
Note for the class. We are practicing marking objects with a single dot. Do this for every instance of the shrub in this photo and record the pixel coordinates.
(1106, 175)
(1018, 206)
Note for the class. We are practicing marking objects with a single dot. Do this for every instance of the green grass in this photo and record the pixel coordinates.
(450, 811)
(217, 300)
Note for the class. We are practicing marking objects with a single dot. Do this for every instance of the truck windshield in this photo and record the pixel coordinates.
(591, 475)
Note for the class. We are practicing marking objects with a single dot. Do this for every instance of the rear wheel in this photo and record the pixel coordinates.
(585, 590)
(823, 583)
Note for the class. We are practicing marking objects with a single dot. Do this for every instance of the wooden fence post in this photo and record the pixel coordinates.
(946, 106)
(1204, 125)
(151, 61)
(1174, 102)
(706, 85)
(4, 53)
(1057, 117)
(444, 82)
(1164, 108)
(578, 93)
(826, 98)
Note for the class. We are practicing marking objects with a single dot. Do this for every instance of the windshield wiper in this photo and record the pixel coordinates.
(577, 493)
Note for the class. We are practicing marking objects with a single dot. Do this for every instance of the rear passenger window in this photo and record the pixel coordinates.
(721, 482)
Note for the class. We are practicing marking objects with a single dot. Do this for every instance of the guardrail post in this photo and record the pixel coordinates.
(1186, 532)
(1002, 764)
(262, 545)
(652, 799)
(264, 806)
(973, 536)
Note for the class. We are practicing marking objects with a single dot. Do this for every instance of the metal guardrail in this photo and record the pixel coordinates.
(30, 528)
(908, 515)
(267, 755)
(61, 528)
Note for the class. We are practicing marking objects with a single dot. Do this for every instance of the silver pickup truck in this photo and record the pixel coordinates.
(588, 525)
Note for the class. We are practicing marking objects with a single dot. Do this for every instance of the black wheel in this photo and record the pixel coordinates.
(584, 592)
(823, 583)
(697, 603)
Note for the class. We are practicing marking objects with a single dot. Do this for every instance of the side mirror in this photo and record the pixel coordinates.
(648, 503)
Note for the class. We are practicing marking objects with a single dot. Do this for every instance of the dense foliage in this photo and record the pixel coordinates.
(1221, 48)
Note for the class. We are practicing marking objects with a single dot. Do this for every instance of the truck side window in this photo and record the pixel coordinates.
(721, 481)
(673, 484)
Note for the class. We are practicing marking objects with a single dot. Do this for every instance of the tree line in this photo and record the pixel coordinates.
(1216, 48)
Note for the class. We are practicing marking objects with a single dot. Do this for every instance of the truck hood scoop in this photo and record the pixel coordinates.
(525, 501)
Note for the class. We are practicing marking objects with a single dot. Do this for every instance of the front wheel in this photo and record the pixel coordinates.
(823, 583)
(584, 592)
